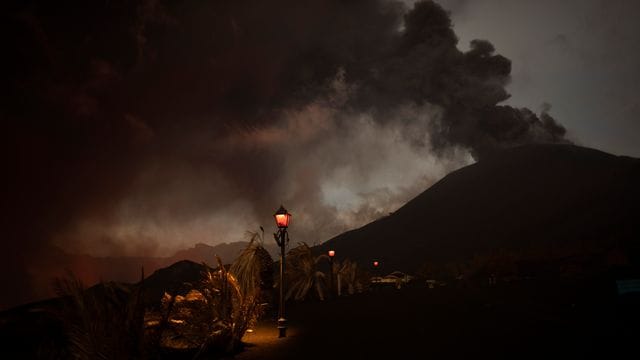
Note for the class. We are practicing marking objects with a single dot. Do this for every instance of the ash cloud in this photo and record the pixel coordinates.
(135, 126)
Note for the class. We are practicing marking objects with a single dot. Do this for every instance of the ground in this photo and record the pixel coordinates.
(518, 320)
(532, 319)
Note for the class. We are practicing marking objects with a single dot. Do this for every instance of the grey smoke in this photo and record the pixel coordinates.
(142, 126)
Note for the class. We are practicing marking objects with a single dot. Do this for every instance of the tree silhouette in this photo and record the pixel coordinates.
(302, 273)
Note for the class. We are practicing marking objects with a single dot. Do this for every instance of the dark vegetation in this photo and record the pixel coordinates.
(187, 310)
(91, 269)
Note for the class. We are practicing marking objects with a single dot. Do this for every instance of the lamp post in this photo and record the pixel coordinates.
(282, 238)
(331, 253)
(376, 273)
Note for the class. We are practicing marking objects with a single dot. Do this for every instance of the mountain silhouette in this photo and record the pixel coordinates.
(536, 199)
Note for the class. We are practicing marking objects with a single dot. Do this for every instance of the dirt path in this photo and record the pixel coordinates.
(263, 342)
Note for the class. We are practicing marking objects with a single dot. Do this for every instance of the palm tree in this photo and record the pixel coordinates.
(254, 268)
(230, 300)
(104, 322)
(302, 273)
(232, 310)
(347, 275)
(236, 295)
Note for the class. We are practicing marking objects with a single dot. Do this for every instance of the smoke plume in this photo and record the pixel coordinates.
(138, 127)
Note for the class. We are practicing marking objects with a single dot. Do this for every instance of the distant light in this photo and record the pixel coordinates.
(332, 253)
(375, 264)
(282, 217)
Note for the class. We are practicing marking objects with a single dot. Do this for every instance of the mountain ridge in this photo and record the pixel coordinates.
(541, 195)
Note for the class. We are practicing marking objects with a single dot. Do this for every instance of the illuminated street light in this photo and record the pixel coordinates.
(282, 218)
(376, 276)
(331, 253)
(282, 238)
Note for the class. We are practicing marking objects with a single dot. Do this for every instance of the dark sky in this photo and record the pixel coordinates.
(139, 127)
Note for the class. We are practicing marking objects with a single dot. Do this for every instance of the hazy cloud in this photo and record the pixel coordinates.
(148, 125)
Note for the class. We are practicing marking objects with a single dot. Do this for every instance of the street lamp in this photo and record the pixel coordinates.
(331, 253)
(282, 238)
(376, 284)
(376, 267)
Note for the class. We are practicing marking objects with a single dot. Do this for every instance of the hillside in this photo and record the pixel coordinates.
(542, 200)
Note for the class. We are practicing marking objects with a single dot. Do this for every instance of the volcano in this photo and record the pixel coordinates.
(542, 200)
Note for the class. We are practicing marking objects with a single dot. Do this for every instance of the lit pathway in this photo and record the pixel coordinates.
(263, 342)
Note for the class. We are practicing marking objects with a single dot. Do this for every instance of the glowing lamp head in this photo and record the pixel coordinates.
(332, 253)
(375, 264)
(282, 218)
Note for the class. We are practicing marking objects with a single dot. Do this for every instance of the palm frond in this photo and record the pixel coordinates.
(105, 322)
(302, 273)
